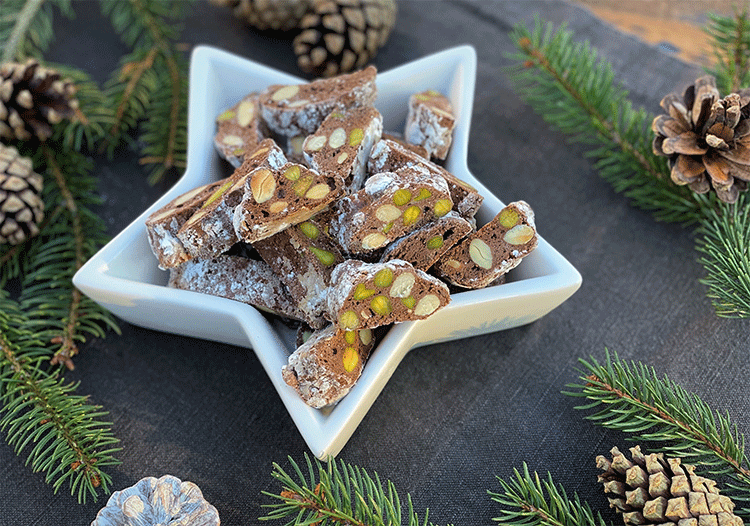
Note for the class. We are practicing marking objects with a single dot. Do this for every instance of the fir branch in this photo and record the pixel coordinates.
(573, 89)
(632, 399)
(26, 27)
(153, 80)
(68, 441)
(730, 39)
(337, 494)
(723, 241)
(529, 501)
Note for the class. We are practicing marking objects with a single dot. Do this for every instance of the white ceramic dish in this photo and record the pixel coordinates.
(124, 278)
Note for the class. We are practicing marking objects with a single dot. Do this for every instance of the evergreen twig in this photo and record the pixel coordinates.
(26, 27)
(631, 398)
(730, 38)
(67, 440)
(573, 89)
(338, 493)
(529, 501)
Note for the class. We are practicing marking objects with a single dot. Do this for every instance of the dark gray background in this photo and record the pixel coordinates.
(453, 416)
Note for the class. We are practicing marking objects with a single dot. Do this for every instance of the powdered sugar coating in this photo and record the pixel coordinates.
(430, 123)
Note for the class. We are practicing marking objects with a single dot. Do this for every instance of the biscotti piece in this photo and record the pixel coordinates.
(388, 156)
(162, 226)
(376, 294)
(277, 199)
(303, 257)
(390, 205)
(326, 367)
(423, 247)
(491, 251)
(239, 130)
(342, 144)
(430, 123)
(236, 278)
(210, 230)
(399, 138)
(299, 109)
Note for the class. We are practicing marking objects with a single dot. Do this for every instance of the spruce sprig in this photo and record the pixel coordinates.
(631, 398)
(528, 500)
(151, 80)
(338, 493)
(574, 90)
(26, 27)
(63, 433)
(730, 38)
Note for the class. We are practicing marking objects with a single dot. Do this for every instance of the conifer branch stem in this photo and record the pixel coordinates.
(66, 339)
(684, 427)
(22, 25)
(135, 71)
(602, 122)
(739, 52)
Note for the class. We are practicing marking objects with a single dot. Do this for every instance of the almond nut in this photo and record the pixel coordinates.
(245, 112)
(480, 253)
(319, 191)
(402, 285)
(343, 157)
(278, 206)
(374, 240)
(387, 213)
(337, 138)
(427, 305)
(454, 264)
(232, 140)
(314, 143)
(262, 185)
(285, 92)
(365, 336)
(519, 235)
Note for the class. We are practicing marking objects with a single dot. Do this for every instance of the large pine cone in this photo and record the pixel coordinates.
(32, 99)
(653, 490)
(280, 15)
(21, 207)
(706, 138)
(339, 36)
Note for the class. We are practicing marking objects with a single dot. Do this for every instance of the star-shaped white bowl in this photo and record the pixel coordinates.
(123, 277)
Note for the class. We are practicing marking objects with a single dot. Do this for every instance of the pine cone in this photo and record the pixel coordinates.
(652, 490)
(280, 15)
(21, 207)
(341, 35)
(706, 138)
(32, 99)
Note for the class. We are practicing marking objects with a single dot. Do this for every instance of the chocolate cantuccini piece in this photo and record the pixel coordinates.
(303, 257)
(210, 230)
(299, 109)
(239, 130)
(326, 366)
(390, 205)
(430, 123)
(343, 142)
(493, 250)
(236, 278)
(388, 155)
(376, 294)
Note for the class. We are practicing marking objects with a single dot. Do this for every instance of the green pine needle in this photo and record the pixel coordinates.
(26, 27)
(337, 493)
(529, 501)
(631, 398)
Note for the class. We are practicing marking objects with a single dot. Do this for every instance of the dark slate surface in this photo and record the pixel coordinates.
(453, 416)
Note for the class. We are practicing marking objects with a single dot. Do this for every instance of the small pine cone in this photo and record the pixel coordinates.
(649, 489)
(32, 99)
(706, 138)
(279, 15)
(339, 36)
(21, 207)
